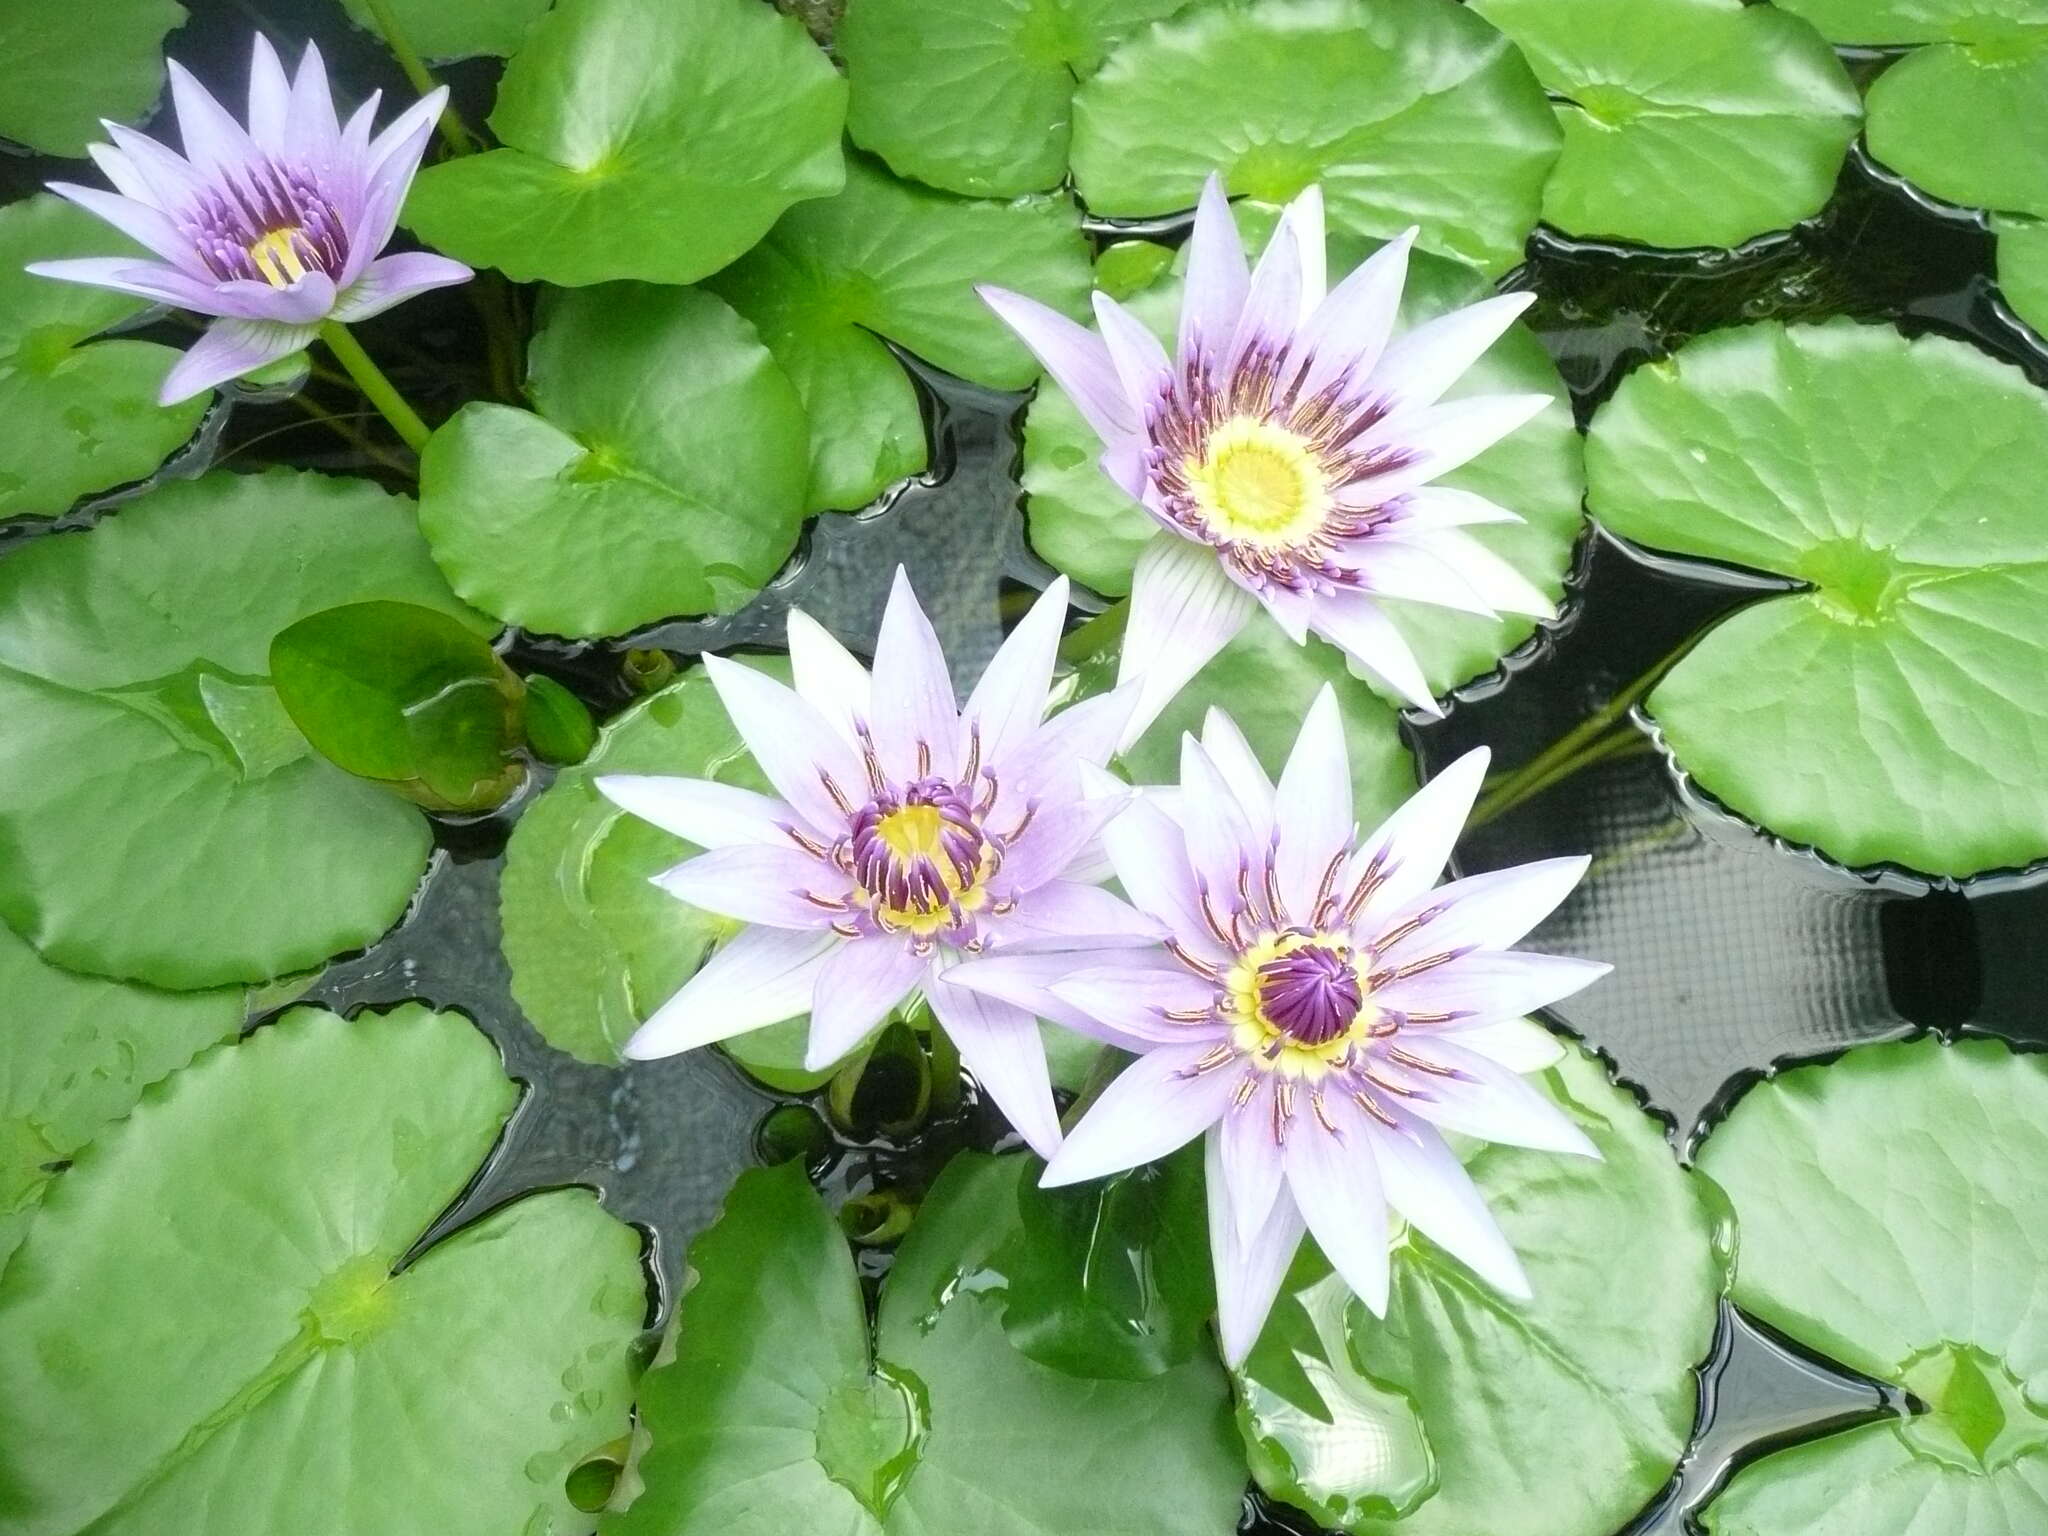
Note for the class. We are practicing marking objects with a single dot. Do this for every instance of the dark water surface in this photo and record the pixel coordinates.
(1733, 953)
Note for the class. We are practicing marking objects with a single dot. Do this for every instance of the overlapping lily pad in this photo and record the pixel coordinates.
(69, 65)
(163, 820)
(664, 474)
(1406, 111)
(1686, 122)
(976, 96)
(2023, 269)
(779, 1414)
(1466, 1411)
(887, 260)
(456, 29)
(1083, 524)
(1895, 709)
(1893, 22)
(76, 415)
(75, 1054)
(1963, 120)
(1876, 1234)
(269, 1372)
(653, 139)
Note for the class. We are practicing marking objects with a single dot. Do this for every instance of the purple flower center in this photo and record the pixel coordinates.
(267, 223)
(921, 855)
(1311, 994)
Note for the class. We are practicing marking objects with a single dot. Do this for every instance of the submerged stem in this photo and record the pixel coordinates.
(377, 389)
(453, 130)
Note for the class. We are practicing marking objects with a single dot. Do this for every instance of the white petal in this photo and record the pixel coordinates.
(1183, 611)
(1412, 846)
(1141, 363)
(758, 883)
(1001, 1046)
(1254, 1162)
(912, 712)
(1241, 770)
(1219, 840)
(854, 991)
(1335, 1182)
(1439, 438)
(827, 675)
(1136, 1002)
(791, 742)
(1305, 214)
(1487, 1100)
(1489, 986)
(1356, 626)
(1421, 365)
(1248, 1274)
(1149, 851)
(1491, 579)
(1314, 800)
(1490, 911)
(1428, 1186)
(1520, 1045)
(1350, 328)
(762, 976)
(700, 811)
(1008, 704)
(1076, 358)
(1217, 278)
(1158, 1105)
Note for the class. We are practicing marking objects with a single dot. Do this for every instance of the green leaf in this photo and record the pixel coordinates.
(1465, 1411)
(162, 820)
(558, 724)
(408, 697)
(884, 259)
(1083, 523)
(1873, 1233)
(1686, 122)
(1406, 111)
(2023, 269)
(70, 65)
(1964, 122)
(653, 139)
(664, 474)
(202, 1331)
(75, 1054)
(594, 949)
(1892, 709)
(76, 416)
(774, 1055)
(974, 96)
(1889, 22)
(455, 29)
(777, 1416)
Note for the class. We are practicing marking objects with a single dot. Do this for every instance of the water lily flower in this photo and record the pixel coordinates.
(274, 228)
(1287, 451)
(904, 835)
(1323, 1010)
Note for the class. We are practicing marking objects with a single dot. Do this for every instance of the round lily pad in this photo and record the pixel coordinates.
(1893, 710)
(780, 1414)
(976, 97)
(163, 819)
(654, 139)
(886, 259)
(202, 1330)
(76, 415)
(1686, 122)
(1963, 120)
(455, 29)
(664, 474)
(75, 1054)
(70, 65)
(1084, 524)
(1892, 1216)
(2023, 269)
(1406, 111)
(1888, 23)
(1467, 1411)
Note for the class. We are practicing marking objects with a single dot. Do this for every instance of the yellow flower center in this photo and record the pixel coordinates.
(932, 882)
(277, 257)
(1257, 482)
(1271, 1047)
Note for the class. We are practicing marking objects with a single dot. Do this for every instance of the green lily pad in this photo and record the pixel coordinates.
(1874, 1233)
(1082, 523)
(1963, 120)
(202, 1330)
(1893, 710)
(976, 97)
(2023, 269)
(938, 1425)
(455, 29)
(1686, 122)
(664, 474)
(1466, 1411)
(558, 724)
(594, 949)
(69, 65)
(163, 819)
(1406, 111)
(653, 139)
(1886, 23)
(76, 415)
(886, 259)
(75, 1054)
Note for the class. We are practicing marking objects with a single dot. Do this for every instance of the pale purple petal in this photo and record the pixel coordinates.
(312, 131)
(1076, 358)
(1272, 306)
(404, 139)
(270, 94)
(1140, 362)
(1048, 765)
(829, 676)
(1490, 911)
(762, 976)
(1026, 980)
(854, 992)
(229, 349)
(1304, 216)
(700, 811)
(140, 222)
(1430, 1188)
(1497, 585)
(1217, 278)
(127, 178)
(1521, 1045)
(1430, 507)
(1422, 364)
(1249, 1273)
(912, 714)
(790, 741)
(1354, 624)
(1254, 1162)
(1349, 329)
(1436, 440)
(1068, 915)
(1183, 611)
(1054, 841)
(395, 160)
(1008, 704)
(760, 883)
(391, 280)
(1333, 1179)
(1136, 1002)
(306, 301)
(1158, 1104)
(214, 142)
(1485, 1099)
(125, 274)
(1219, 841)
(170, 178)
(1414, 573)
(1489, 986)
(1149, 851)
(1241, 770)
(1411, 847)
(1000, 1045)
(1314, 805)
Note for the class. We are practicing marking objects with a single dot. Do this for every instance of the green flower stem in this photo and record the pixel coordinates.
(456, 132)
(376, 388)
(1623, 741)
(1105, 629)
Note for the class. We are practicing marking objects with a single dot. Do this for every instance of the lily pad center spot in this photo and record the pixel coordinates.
(350, 1304)
(1275, 173)
(1979, 1417)
(871, 1435)
(1609, 105)
(1853, 582)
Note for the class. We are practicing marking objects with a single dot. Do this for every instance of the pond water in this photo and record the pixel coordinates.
(1737, 953)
